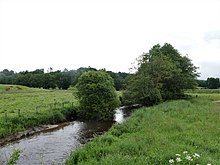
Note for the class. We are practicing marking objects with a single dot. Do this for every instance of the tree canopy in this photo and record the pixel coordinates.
(97, 95)
(54, 79)
(162, 74)
(213, 83)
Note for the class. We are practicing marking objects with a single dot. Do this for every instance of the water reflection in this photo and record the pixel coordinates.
(55, 147)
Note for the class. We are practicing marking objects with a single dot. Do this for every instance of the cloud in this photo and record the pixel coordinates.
(212, 38)
(209, 69)
(212, 35)
(105, 34)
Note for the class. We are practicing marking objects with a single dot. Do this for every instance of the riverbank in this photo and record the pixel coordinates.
(54, 145)
(30, 132)
(159, 135)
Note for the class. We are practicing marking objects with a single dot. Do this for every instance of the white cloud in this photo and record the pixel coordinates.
(104, 34)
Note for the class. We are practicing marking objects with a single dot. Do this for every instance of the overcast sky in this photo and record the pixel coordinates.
(106, 33)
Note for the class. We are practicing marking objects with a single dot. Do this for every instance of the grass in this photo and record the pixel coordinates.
(205, 91)
(22, 107)
(210, 94)
(154, 135)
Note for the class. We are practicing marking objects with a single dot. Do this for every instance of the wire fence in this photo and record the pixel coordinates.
(38, 109)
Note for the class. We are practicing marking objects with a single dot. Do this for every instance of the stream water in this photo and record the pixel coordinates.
(55, 146)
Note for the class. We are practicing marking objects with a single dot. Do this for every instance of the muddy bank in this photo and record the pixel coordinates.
(31, 132)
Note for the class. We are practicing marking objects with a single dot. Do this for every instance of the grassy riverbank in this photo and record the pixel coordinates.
(22, 107)
(154, 135)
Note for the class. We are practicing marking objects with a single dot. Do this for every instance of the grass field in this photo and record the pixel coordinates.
(205, 91)
(183, 132)
(210, 94)
(22, 107)
(27, 99)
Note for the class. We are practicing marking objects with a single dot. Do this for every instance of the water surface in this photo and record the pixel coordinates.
(56, 146)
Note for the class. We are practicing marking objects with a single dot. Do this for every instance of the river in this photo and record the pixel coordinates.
(55, 146)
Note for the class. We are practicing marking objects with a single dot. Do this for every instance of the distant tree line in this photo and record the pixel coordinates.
(211, 83)
(54, 79)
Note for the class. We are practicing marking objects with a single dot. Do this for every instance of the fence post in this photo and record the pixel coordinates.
(6, 115)
(19, 113)
(37, 109)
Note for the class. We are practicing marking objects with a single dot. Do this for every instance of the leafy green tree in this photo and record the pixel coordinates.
(97, 95)
(184, 77)
(49, 81)
(6, 72)
(79, 72)
(212, 83)
(202, 83)
(145, 87)
(119, 79)
(63, 80)
(162, 74)
(23, 79)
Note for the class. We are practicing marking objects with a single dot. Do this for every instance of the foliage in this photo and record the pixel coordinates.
(213, 83)
(119, 79)
(97, 95)
(155, 134)
(162, 74)
(53, 79)
(202, 83)
(14, 157)
(64, 80)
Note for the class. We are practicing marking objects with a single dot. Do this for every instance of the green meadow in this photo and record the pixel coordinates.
(183, 132)
(22, 107)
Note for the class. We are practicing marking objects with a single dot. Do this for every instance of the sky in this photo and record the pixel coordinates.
(108, 34)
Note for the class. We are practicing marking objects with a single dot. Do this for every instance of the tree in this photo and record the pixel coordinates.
(6, 72)
(202, 83)
(145, 87)
(49, 80)
(162, 74)
(212, 83)
(97, 95)
(63, 80)
(119, 79)
(79, 72)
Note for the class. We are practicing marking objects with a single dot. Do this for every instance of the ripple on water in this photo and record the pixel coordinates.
(55, 146)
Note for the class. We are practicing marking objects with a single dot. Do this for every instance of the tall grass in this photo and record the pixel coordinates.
(153, 135)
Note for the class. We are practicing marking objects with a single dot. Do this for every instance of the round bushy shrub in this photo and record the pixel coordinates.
(97, 96)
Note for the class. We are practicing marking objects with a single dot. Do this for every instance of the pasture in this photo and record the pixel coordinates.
(209, 94)
(20, 103)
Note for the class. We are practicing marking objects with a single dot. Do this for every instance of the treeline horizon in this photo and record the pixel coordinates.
(66, 78)
(210, 83)
(55, 79)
